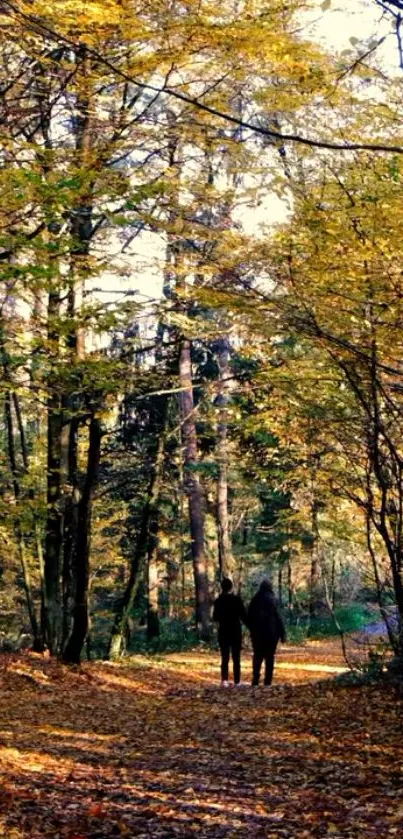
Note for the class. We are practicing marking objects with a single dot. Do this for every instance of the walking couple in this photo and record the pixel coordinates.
(265, 625)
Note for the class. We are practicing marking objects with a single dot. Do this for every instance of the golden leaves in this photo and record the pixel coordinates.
(154, 748)
(84, 19)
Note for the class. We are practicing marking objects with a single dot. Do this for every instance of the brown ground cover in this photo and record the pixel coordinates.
(154, 748)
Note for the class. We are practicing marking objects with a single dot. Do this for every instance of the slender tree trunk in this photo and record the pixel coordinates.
(69, 451)
(333, 582)
(280, 584)
(119, 631)
(382, 609)
(39, 636)
(329, 602)
(81, 232)
(315, 564)
(75, 643)
(290, 586)
(224, 542)
(194, 491)
(174, 282)
(37, 640)
(11, 400)
(53, 536)
(21, 431)
(153, 626)
(41, 566)
(224, 550)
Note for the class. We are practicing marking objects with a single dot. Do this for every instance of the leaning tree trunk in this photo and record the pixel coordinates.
(314, 583)
(117, 641)
(75, 643)
(378, 583)
(194, 490)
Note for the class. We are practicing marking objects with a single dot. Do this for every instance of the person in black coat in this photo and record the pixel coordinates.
(266, 629)
(229, 612)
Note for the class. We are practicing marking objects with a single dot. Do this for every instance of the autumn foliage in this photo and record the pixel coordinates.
(157, 749)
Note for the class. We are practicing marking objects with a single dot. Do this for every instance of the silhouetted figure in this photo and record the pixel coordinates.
(228, 612)
(266, 629)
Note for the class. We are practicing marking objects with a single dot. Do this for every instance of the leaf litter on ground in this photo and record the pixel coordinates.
(154, 748)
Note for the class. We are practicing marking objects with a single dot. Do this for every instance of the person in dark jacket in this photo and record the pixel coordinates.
(229, 612)
(266, 629)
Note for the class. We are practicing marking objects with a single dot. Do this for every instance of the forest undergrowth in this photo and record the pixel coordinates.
(152, 747)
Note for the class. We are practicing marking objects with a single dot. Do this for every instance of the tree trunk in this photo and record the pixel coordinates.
(194, 491)
(37, 640)
(333, 582)
(280, 584)
(36, 634)
(53, 536)
(224, 542)
(119, 631)
(75, 643)
(11, 400)
(41, 565)
(69, 453)
(315, 564)
(153, 625)
(21, 431)
(290, 587)
(81, 232)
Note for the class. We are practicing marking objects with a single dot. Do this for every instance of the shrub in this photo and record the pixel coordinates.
(175, 635)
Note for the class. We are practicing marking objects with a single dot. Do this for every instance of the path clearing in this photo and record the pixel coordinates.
(153, 748)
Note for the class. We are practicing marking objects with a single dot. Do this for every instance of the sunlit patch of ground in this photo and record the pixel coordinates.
(154, 748)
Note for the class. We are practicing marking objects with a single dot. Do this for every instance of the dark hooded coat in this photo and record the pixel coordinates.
(264, 618)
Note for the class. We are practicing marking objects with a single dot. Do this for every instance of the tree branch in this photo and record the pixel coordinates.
(48, 32)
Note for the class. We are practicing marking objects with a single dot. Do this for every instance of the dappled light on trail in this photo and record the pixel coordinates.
(154, 748)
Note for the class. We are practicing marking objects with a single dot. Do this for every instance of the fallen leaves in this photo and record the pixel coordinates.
(155, 749)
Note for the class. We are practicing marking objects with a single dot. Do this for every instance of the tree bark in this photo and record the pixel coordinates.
(81, 232)
(117, 641)
(75, 643)
(41, 565)
(280, 584)
(53, 536)
(153, 625)
(315, 564)
(194, 491)
(69, 454)
(290, 586)
(224, 542)
(37, 639)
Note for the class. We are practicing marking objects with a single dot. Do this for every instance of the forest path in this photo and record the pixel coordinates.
(154, 748)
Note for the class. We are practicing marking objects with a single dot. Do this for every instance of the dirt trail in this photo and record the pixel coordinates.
(153, 748)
